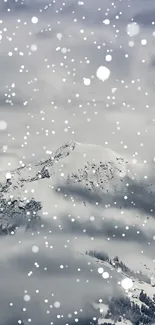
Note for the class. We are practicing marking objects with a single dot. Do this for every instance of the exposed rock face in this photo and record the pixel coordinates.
(94, 168)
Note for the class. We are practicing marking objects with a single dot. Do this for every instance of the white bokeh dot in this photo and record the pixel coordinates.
(127, 283)
(143, 42)
(35, 249)
(108, 57)
(34, 20)
(57, 304)
(106, 21)
(33, 47)
(8, 176)
(132, 29)
(86, 81)
(105, 275)
(100, 270)
(3, 125)
(103, 73)
(27, 297)
(131, 43)
(59, 36)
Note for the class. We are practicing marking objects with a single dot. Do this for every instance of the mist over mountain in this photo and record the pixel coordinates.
(70, 230)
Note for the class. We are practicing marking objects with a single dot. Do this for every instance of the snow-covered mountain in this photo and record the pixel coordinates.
(69, 210)
(83, 170)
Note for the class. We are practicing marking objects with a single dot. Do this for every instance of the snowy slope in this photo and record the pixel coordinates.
(76, 201)
(87, 168)
(71, 158)
(76, 176)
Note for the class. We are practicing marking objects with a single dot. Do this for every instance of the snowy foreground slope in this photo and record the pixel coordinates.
(77, 240)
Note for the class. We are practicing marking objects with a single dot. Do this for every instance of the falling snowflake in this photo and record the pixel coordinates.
(57, 304)
(127, 283)
(27, 297)
(108, 57)
(86, 81)
(35, 249)
(8, 176)
(133, 29)
(103, 73)
(3, 125)
(105, 275)
(34, 20)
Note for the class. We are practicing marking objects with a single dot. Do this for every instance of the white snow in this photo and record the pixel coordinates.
(106, 21)
(103, 73)
(143, 42)
(8, 175)
(3, 125)
(127, 283)
(132, 29)
(34, 20)
(108, 57)
(58, 210)
(105, 275)
(86, 81)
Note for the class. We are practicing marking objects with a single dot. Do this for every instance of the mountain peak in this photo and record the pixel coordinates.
(65, 149)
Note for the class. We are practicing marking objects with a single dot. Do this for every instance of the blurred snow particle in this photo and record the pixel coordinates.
(5, 148)
(59, 36)
(105, 275)
(106, 21)
(8, 176)
(86, 81)
(108, 57)
(127, 283)
(134, 161)
(33, 47)
(100, 270)
(132, 29)
(3, 125)
(113, 90)
(64, 50)
(103, 73)
(143, 42)
(57, 304)
(131, 44)
(34, 20)
(35, 249)
(27, 297)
